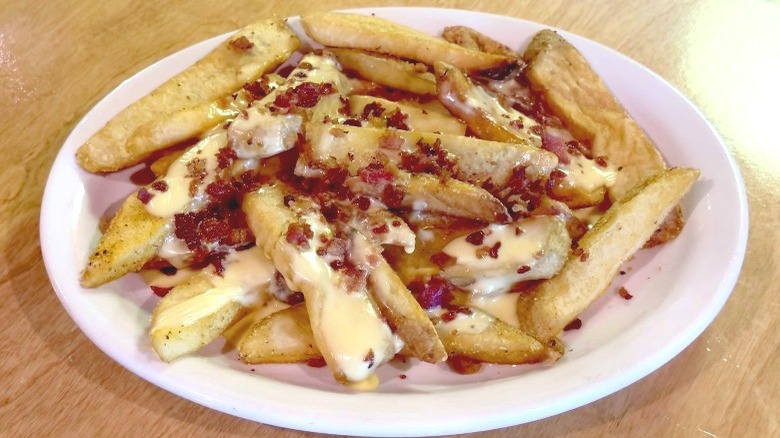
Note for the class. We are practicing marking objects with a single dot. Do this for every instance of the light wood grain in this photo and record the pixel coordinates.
(58, 58)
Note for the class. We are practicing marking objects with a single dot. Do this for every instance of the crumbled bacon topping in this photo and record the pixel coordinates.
(144, 196)
(373, 109)
(241, 44)
(299, 234)
(476, 238)
(397, 120)
(434, 293)
(574, 325)
(305, 95)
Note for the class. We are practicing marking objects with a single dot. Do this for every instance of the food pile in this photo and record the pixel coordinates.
(387, 193)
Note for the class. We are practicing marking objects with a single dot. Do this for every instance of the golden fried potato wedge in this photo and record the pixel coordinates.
(385, 70)
(201, 308)
(589, 109)
(418, 118)
(469, 38)
(480, 336)
(355, 147)
(404, 313)
(483, 113)
(335, 311)
(583, 182)
(132, 239)
(281, 337)
(255, 49)
(179, 126)
(173, 338)
(190, 316)
(427, 193)
(625, 227)
(335, 29)
(529, 249)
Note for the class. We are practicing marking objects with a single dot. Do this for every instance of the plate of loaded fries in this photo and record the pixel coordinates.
(356, 222)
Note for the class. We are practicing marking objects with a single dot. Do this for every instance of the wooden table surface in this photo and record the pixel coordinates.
(58, 58)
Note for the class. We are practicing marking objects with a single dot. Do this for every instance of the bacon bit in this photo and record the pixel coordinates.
(476, 238)
(222, 192)
(374, 173)
(299, 234)
(196, 169)
(555, 145)
(464, 365)
(160, 186)
(160, 264)
(623, 292)
(363, 202)
(397, 120)
(369, 359)
(574, 325)
(493, 252)
(393, 196)
(402, 376)
(144, 196)
(442, 260)
(305, 95)
(294, 298)
(241, 44)
(331, 211)
(381, 229)
(373, 109)
(336, 264)
(430, 158)
(160, 291)
(396, 223)
(523, 269)
(344, 109)
(536, 129)
(518, 231)
(258, 89)
(622, 272)
(516, 123)
(432, 294)
(316, 362)
(352, 122)
(579, 252)
(391, 141)
(351, 156)
(449, 316)
(601, 161)
(287, 200)
(225, 157)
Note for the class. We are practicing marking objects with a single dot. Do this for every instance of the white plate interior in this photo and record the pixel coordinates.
(678, 288)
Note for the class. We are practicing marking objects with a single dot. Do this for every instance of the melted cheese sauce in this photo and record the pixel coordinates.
(177, 198)
(586, 174)
(502, 306)
(350, 333)
(246, 273)
(473, 324)
(482, 274)
(477, 97)
(257, 134)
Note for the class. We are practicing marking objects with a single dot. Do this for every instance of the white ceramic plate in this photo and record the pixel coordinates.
(678, 289)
